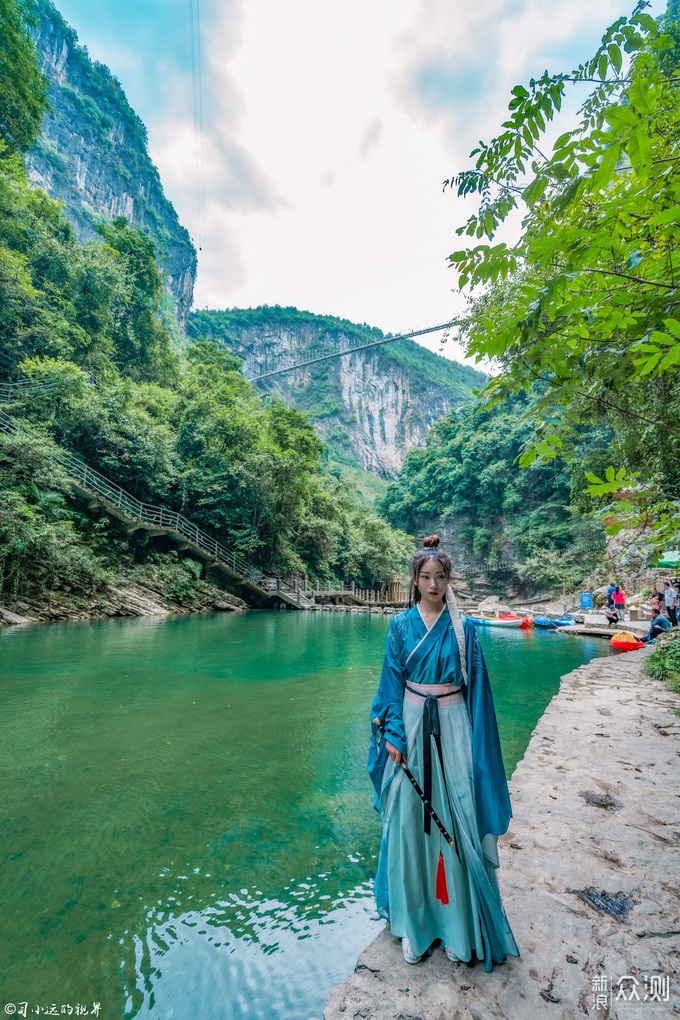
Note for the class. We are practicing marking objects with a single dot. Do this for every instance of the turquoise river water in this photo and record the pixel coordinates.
(187, 830)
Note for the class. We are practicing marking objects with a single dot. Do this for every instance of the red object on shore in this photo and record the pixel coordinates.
(624, 641)
(526, 622)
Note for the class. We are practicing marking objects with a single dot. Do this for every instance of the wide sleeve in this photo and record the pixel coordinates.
(491, 787)
(387, 707)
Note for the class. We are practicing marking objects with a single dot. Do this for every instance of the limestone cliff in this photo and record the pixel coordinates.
(93, 157)
(371, 406)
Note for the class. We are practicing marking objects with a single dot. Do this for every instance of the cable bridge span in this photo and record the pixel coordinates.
(348, 349)
(158, 520)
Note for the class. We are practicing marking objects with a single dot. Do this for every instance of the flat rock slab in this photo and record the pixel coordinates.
(596, 802)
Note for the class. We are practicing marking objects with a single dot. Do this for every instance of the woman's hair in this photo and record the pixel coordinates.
(429, 551)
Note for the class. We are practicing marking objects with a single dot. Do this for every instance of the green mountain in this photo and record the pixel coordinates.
(92, 154)
(372, 406)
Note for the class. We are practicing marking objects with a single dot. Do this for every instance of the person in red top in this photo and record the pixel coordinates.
(619, 597)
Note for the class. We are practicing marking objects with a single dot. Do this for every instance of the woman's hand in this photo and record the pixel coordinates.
(394, 754)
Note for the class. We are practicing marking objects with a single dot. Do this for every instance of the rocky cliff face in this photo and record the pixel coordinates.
(371, 406)
(92, 155)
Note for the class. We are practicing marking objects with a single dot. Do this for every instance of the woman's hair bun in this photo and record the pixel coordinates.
(432, 542)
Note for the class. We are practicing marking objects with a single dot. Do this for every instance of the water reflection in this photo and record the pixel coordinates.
(188, 826)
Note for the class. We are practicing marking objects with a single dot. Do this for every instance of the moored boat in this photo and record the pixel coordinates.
(624, 641)
(545, 621)
(497, 621)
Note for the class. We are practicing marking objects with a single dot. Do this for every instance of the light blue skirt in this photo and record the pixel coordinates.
(473, 924)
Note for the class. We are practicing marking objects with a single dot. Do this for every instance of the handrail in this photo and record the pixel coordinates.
(132, 507)
(15, 390)
(146, 513)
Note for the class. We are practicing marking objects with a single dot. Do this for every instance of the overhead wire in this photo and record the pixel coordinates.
(197, 92)
(350, 349)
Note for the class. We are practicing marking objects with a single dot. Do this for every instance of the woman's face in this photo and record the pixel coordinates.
(432, 582)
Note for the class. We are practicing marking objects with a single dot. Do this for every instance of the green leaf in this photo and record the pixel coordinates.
(639, 152)
(640, 97)
(672, 358)
(619, 117)
(564, 139)
(673, 326)
(615, 56)
(645, 21)
(671, 215)
(603, 66)
(664, 42)
(661, 338)
(534, 191)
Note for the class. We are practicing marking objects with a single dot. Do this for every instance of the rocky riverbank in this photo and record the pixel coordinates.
(590, 873)
(126, 597)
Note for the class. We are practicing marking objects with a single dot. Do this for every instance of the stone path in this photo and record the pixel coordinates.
(612, 734)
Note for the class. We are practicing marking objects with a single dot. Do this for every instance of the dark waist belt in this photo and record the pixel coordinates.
(431, 728)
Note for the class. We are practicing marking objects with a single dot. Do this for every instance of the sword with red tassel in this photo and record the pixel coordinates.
(441, 889)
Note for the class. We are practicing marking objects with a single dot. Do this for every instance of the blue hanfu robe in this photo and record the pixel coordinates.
(469, 792)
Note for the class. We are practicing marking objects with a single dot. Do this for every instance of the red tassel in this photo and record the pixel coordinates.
(442, 891)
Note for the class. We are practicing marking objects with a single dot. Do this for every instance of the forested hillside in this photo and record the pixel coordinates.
(370, 407)
(181, 429)
(92, 154)
(514, 527)
(585, 294)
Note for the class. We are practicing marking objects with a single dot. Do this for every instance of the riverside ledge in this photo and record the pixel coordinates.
(611, 733)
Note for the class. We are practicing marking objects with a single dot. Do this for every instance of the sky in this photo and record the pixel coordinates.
(314, 176)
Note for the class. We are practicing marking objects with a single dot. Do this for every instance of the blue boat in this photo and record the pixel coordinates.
(544, 621)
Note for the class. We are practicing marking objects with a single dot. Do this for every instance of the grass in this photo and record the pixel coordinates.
(368, 485)
(664, 661)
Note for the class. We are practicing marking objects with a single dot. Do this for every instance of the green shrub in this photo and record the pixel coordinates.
(664, 661)
(37, 554)
(173, 577)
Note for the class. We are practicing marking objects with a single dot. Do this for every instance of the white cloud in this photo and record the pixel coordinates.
(328, 130)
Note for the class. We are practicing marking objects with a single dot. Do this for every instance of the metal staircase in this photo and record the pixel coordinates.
(158, 520)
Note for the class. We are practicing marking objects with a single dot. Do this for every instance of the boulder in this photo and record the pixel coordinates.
(493, 605)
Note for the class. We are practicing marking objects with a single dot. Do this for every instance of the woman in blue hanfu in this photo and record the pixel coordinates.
(434, 713)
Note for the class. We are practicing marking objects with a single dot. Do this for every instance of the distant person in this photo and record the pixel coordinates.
(659, 624)
(619, 600)
(610, 593)
(670, 596)
(611, 616)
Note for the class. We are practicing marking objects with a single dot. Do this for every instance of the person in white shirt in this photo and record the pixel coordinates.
(670, 597)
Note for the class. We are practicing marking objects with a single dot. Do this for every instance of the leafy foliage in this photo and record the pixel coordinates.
(39, 543)
(586, 298)
(23, 90)
(664, 662)
(515, 525)
(184, 430)
(325, 330)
